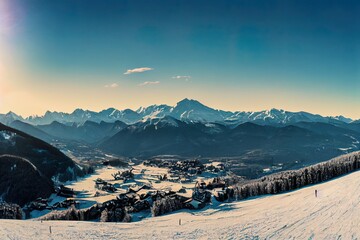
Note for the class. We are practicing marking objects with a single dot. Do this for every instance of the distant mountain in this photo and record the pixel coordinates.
(192, 110)
(354, 126)
(81, 116)
(280, 117)
(89, 131)
(9, 118)
(110, 115)
(330, 129)
(154, 111)
(185, 110)
(157, 136)
(308, 142)
(31, 130)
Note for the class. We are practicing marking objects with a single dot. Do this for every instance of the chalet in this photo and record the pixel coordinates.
(64, 191)
(194, 204)
(104, 186)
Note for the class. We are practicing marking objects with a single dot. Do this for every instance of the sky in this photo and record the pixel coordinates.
(231, 55)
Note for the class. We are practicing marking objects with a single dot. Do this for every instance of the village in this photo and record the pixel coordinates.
(151, 188)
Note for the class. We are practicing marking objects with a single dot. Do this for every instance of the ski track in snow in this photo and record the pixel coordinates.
(334, 214)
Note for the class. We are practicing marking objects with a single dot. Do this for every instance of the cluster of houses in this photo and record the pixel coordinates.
(192, 166)
(140, 198)
(124, 175)
(136, 196)
(104, 186)
(63, 191)
(44, 203)
(183, 171)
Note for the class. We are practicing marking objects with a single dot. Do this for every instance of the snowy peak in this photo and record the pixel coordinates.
(188, 110)
(9, 118)
(154, 111)
(276, 116)
(12, 115)
(166, 121)
(342, 119)
(190, 103)
(192, 110)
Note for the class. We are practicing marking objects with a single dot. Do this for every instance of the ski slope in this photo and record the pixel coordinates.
(334, 214)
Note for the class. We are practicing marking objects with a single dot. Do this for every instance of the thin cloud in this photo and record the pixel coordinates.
(138, 70)
(186, 78)
(149, 83)
(113, 85)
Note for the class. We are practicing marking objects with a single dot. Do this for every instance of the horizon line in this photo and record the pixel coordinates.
(189, 99)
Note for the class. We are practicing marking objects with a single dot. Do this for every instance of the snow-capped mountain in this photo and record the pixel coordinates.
(80, 116)
(9, 118)
(192, 110)
(187, 110)
(154, 111)
(110, 115)
(275, 116)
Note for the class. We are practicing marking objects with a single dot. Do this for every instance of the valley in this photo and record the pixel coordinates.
(145, 182)
(188, 158)
(293, 215)
(173, 119)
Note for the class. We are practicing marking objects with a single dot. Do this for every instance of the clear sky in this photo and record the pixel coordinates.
(234, 55)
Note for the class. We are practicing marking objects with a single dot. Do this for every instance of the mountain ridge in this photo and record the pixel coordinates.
(185, 110)
(168, 135)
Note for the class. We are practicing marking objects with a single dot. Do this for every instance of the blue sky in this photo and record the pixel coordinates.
(237, 55)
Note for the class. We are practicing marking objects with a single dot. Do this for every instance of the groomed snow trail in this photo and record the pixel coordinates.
(334, 214)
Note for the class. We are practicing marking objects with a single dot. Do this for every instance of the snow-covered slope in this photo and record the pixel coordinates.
(154, 111)
(334, 214)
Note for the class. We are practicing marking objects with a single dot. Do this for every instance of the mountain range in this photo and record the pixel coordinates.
(192, 129)
(303, 141)
(186, 110)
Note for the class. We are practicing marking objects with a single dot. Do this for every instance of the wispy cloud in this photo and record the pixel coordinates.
(138, 70)
(186, 78)
(149, 83)
(112, 85)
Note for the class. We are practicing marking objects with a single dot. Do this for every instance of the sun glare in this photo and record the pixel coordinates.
(6, 18)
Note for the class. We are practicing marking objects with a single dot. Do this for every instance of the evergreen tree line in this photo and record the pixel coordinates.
(115, 215)
(106, 214)
(70, 214)
(294, 179)
(10, 211)
(166, 205)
